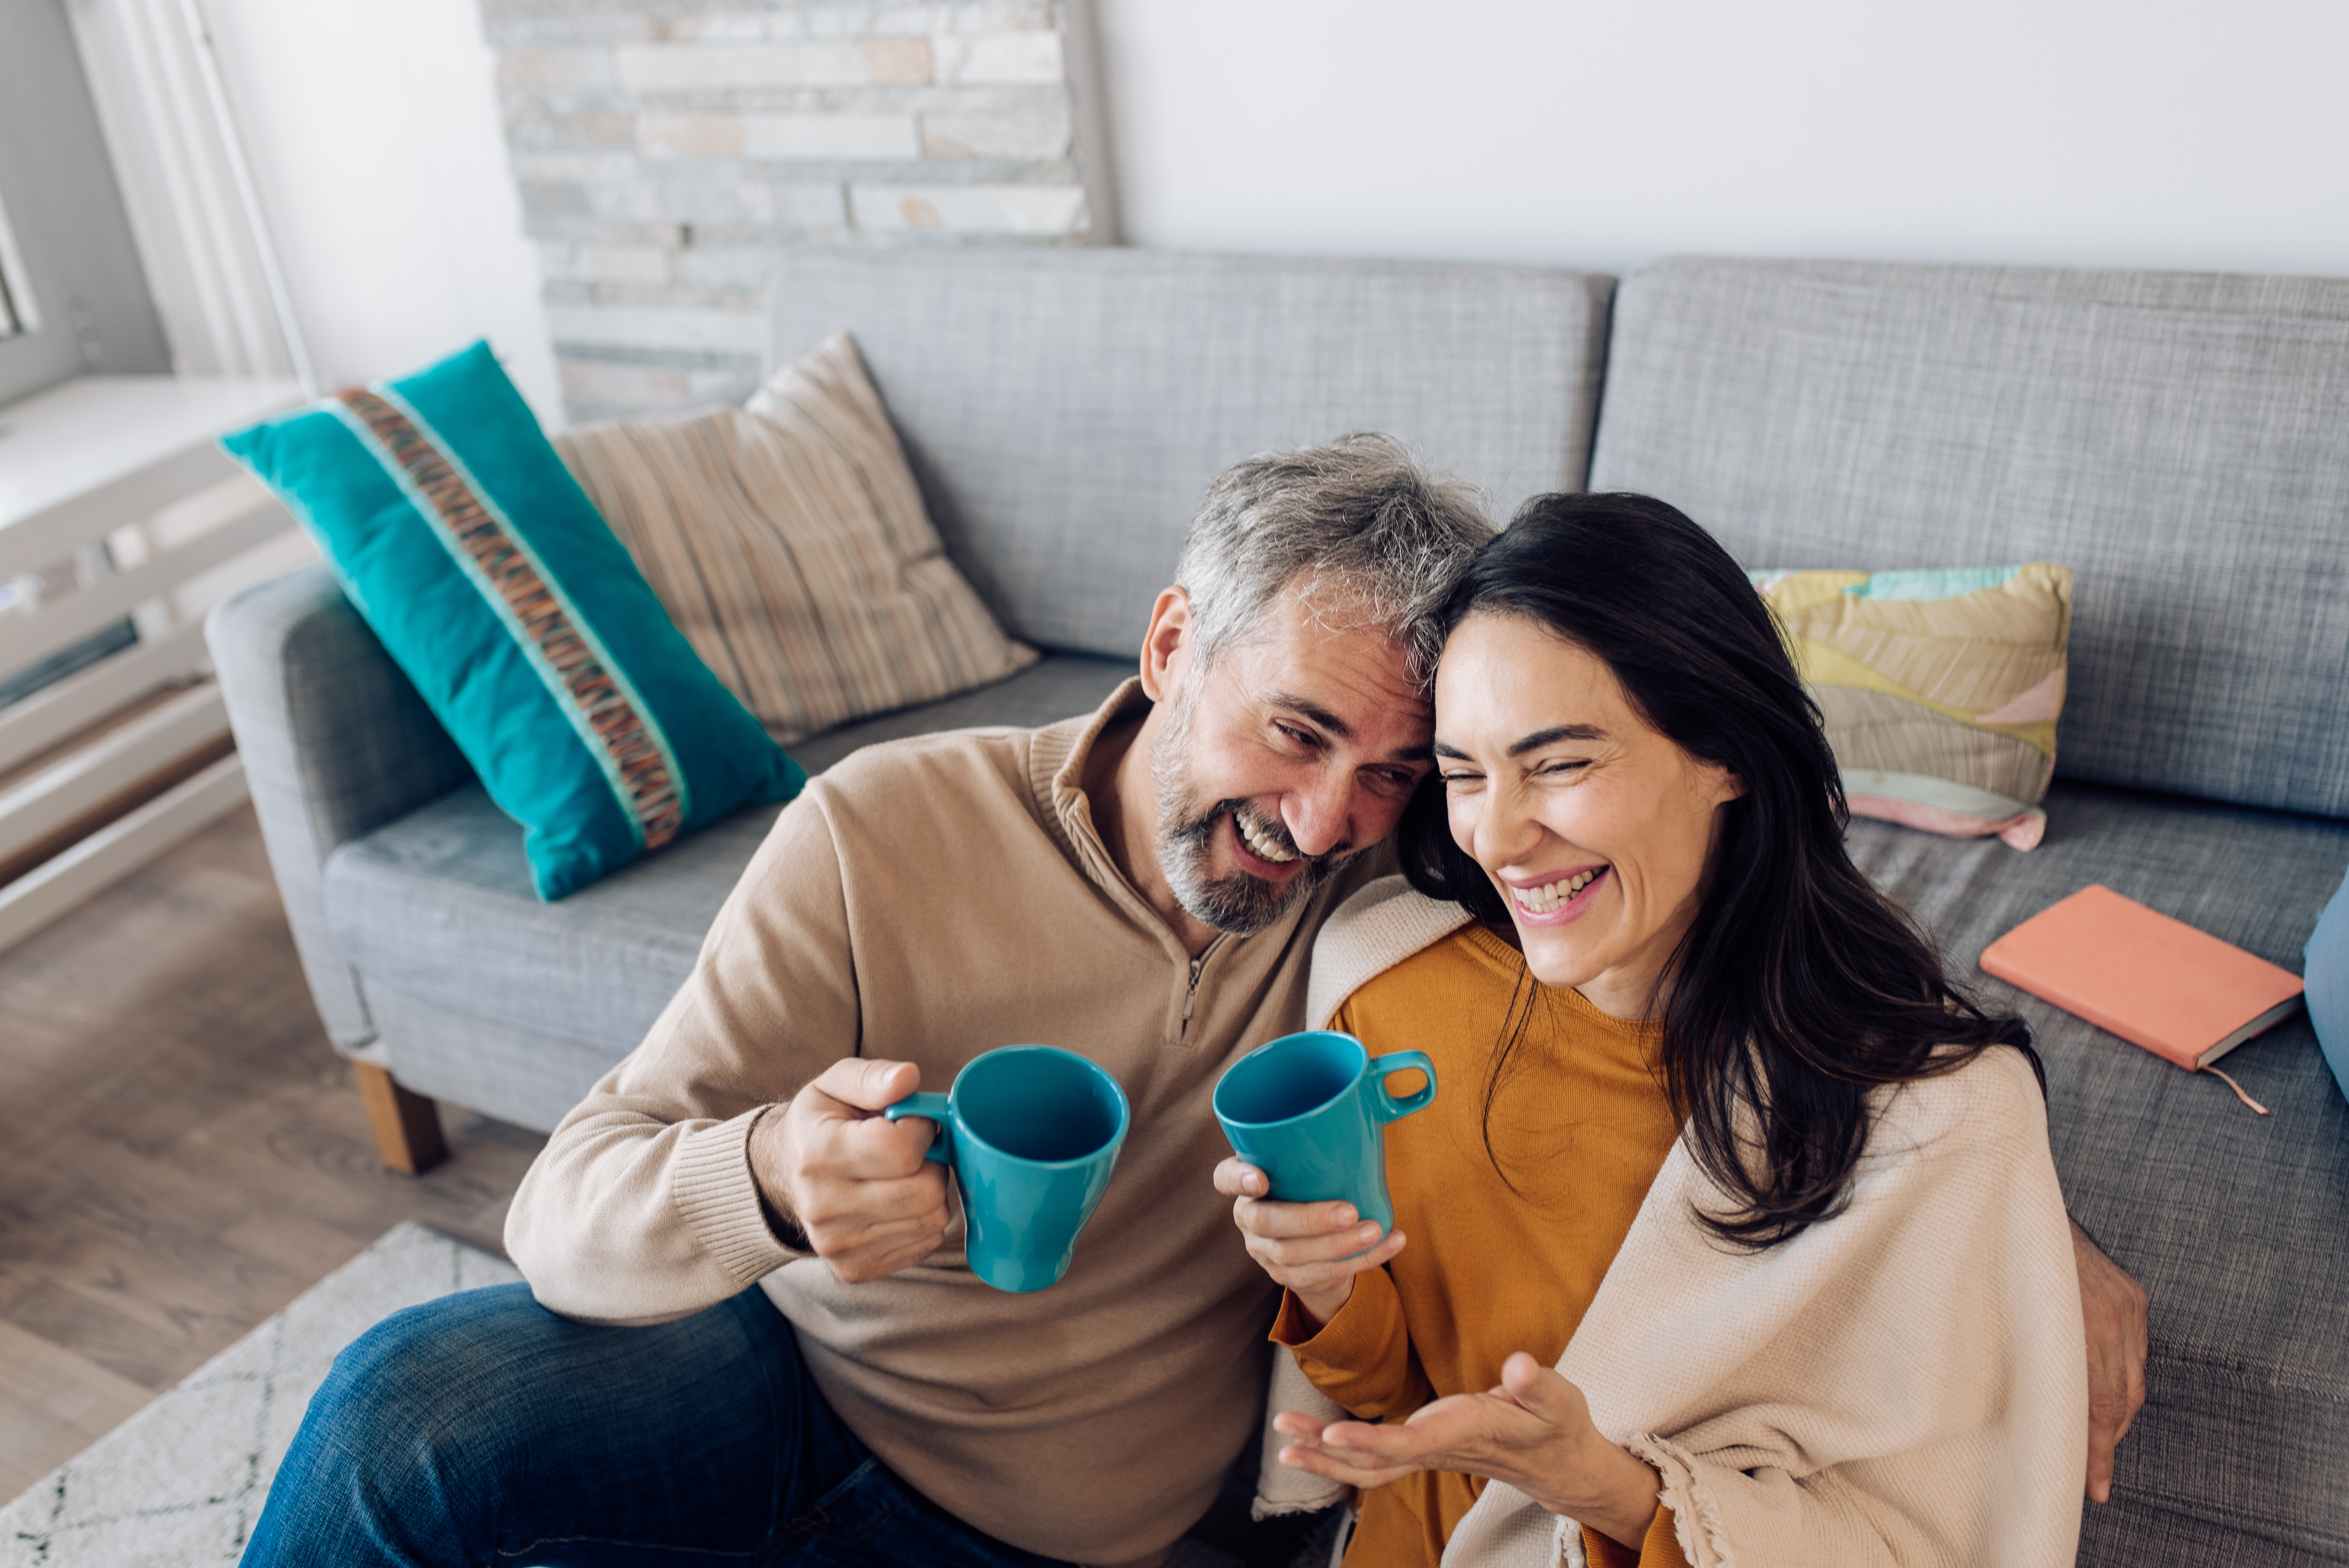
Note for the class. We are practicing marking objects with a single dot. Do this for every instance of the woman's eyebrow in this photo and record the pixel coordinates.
(1533, 742)
(1556, 733)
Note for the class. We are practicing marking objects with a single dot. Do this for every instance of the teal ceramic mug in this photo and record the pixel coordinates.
(1310, 1111)
(1031, 1133)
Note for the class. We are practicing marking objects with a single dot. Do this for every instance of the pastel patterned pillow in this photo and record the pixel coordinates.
(1940, 688)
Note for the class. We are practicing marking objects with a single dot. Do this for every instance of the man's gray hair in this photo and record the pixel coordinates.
(1365, 534)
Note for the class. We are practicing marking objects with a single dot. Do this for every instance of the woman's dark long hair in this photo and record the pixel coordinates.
(1798, 987)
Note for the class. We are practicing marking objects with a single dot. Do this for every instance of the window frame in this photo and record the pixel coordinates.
(74, 270)
(20, 312)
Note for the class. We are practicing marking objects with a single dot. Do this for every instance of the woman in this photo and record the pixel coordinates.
(1714, 1126)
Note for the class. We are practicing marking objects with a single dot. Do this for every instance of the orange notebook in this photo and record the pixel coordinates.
(2156, 981)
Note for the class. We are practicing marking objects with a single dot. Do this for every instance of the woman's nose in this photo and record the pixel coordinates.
(1505, 832)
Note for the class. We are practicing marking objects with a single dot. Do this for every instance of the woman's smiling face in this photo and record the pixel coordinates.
(1596, 828)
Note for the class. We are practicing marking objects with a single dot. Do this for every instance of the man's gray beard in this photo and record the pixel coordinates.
(1240, 904)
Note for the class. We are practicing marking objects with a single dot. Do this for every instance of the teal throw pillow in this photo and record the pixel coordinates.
(2327, 977)
(493, 582)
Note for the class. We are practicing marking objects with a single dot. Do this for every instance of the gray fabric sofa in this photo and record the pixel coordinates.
(2182, 442)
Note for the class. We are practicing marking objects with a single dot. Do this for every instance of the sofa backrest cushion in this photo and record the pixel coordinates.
(1065, 409)
(2181, 441)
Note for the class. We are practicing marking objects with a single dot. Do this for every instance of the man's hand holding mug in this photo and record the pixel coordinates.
(854, 1183)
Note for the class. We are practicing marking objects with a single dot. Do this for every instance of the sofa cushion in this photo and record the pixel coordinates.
(788, 542)
(2176, 440)
(501, 593)
(1940, 689)
(529, 1077)
(2233, 1222)
(1065, 409)
(437, 905)
(2328, 955)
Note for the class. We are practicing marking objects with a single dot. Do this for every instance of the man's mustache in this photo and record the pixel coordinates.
(1272, 830)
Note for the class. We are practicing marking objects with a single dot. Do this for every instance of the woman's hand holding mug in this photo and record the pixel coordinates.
(1307, 1115)
(1312, 1250)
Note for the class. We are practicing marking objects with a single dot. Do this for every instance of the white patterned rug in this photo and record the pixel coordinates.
(179, 1484)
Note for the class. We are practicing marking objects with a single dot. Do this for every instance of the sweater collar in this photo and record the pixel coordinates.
(1057, 762)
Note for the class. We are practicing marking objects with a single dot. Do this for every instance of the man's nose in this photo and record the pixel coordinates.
(1318, 816)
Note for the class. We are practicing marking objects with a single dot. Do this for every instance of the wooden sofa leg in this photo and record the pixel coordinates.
(407, 1126)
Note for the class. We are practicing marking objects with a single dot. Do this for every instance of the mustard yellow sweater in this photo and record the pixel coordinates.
(1512, 1221)
(1904, 1384)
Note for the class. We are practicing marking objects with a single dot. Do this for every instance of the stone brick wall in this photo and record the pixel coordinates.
(668, 150)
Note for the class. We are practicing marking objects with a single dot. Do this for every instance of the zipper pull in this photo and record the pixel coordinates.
(1190, 996)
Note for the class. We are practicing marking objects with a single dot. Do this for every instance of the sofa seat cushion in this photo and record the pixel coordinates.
(2233, 1222)
(437, 906)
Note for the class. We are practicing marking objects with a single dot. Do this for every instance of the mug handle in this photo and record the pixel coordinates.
(1384, 1104)
(935, 1107)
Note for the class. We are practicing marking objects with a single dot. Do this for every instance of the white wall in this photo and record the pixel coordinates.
(2177, 133)
(2144, 133)
(373, 129)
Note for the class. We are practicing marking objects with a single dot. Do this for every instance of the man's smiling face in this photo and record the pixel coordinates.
(1288, 757)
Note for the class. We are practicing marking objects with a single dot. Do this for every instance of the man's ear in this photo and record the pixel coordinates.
(1166, 651)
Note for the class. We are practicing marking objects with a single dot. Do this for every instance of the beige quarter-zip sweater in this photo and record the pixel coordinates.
(925, 901)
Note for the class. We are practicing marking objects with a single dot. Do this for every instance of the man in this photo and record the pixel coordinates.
(1142, 885)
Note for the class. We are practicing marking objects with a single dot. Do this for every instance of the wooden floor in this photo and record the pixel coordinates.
(180, 1152)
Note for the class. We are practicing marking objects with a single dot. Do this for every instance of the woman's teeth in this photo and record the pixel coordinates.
(1263, 846)
(1554, 895)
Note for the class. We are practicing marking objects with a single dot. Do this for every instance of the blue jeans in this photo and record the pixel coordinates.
(481, 1428)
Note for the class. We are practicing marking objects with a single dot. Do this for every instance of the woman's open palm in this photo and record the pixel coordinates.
(1534, 1431)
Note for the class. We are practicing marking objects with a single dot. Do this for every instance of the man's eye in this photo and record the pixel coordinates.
(1299, 736)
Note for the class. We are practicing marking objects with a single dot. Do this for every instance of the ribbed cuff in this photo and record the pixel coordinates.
(1659, 1548)
(1359, 1335)
(717, 1198)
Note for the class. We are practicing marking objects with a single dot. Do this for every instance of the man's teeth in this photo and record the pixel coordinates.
(1553, 895)
(1262, 845)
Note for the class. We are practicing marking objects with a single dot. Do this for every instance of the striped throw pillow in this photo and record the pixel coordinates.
(1940, 688)
(787, 541)
(524, 625)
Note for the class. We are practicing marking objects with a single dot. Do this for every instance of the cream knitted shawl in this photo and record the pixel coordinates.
(1904, 1384)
